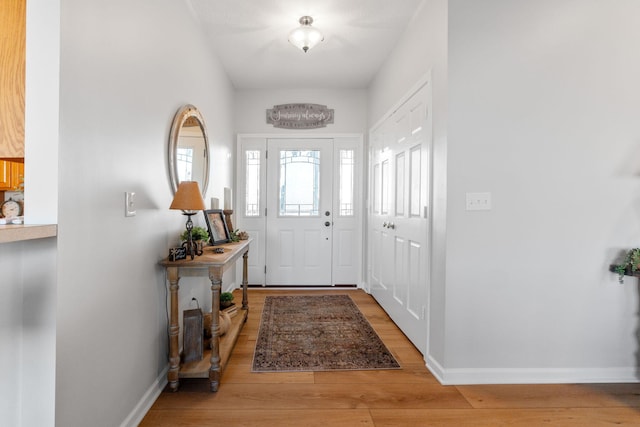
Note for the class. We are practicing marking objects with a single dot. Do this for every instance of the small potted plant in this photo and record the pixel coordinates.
(630, 264)
(237, 235)
(200, 237)
(226, 300)
(197, 233)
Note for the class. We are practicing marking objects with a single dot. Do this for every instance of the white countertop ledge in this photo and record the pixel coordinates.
(17, 233)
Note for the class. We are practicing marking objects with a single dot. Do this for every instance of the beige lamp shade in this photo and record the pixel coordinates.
(188, 197)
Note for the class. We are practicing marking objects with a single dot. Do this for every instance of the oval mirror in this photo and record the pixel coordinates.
(189, 149)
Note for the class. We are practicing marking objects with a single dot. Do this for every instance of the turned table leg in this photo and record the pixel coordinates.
(215, 275)
(174, 330)
(245, 280)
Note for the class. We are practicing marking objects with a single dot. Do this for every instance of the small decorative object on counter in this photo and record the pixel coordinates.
(237, 235)
(176, 254)
(217, 226)
(11, 209)
(629, 265)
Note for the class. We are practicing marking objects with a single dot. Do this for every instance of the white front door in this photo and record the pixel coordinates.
(299, 212)
(399, 231)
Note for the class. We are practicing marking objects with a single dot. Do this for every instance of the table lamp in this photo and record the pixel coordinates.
(188, 199)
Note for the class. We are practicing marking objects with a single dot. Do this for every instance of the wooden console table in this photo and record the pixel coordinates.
(212, 265)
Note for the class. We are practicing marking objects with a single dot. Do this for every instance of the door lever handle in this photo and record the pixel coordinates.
(391, 226)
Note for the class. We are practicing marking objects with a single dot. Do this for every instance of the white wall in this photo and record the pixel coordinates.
(126, 68)
(28, 305)
(543, 113)
(533, 102)
(11, 352)
(27, 331)
(421, 50)
(349, 105)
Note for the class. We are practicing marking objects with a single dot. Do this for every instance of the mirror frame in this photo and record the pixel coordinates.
(183, 114)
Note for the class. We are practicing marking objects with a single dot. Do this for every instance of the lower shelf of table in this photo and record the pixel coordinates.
(200, 368)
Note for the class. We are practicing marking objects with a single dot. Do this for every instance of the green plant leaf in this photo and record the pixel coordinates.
(197, 233)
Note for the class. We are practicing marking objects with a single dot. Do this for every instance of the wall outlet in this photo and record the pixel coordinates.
(478, 201)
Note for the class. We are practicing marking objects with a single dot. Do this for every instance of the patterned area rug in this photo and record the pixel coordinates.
(317, 333)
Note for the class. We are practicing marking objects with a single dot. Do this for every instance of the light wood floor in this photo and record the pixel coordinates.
(407, 397)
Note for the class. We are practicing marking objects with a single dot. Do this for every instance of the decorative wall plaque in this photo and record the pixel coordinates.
(299, 116)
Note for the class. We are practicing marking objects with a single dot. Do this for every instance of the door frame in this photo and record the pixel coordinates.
(258, 249)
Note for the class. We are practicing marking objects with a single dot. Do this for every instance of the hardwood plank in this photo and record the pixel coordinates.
(406, 375)
(558, 417)
(261, 418)
(315, 396)
(552, 395)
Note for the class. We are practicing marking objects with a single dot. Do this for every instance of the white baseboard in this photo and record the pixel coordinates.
(468, 376)
(147, 400)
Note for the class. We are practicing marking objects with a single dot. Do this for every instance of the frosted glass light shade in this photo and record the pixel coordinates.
(305, 36)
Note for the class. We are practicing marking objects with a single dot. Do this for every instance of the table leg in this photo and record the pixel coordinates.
(245, 280)
(215, 275)
(174, 330)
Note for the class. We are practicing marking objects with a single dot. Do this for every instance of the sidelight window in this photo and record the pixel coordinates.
(252, 190)
(347, 174)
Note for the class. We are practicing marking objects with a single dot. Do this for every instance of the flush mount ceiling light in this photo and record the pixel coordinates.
(305, 36)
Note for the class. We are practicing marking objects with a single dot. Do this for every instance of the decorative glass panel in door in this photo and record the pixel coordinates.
(299, 183)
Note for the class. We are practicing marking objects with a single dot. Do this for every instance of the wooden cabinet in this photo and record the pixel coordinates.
(11, 175)
(5, 175)
(12, 77)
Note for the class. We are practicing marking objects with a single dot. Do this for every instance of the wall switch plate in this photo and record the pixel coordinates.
(129, 204)
(478, 201)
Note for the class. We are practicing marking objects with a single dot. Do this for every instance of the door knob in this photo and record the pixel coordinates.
(392, 226)
(327, 213)
(327, 224)
(384, 224)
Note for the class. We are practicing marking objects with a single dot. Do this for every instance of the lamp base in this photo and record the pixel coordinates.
(190, 245)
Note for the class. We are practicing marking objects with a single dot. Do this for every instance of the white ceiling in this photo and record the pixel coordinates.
(250, 38)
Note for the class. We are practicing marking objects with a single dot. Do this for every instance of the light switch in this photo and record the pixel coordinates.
(129, 204)
(478, 201)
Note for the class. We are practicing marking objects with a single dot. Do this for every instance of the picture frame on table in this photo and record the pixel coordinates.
(218, 231)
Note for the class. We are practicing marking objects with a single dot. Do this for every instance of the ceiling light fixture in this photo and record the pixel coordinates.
(305, 36)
